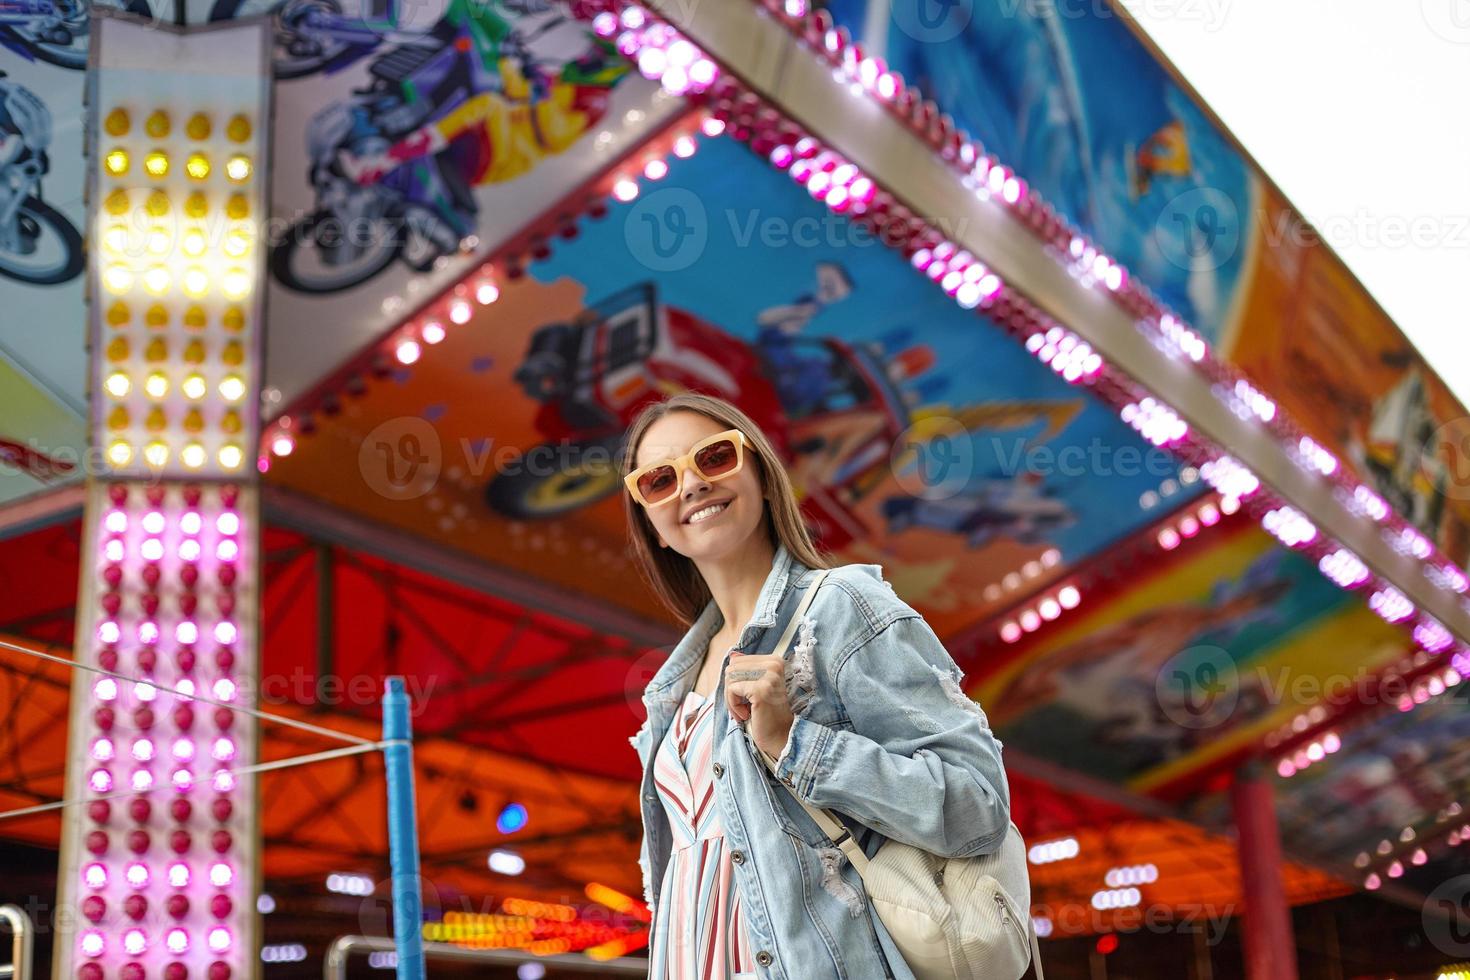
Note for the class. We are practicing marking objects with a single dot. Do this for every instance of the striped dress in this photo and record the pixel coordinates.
(698, 932)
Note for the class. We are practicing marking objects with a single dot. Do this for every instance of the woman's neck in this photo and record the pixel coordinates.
(735, 583)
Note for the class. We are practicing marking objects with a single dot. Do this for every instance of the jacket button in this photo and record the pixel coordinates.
(719, 770)
(738, 857)
(650, 797)
(763, 958)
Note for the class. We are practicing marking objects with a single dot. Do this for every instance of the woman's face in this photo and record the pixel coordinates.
(738, 497)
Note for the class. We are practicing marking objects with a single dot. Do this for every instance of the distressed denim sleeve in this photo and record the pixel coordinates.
(921, 764)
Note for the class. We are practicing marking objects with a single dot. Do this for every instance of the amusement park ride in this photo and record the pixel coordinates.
(336, 388)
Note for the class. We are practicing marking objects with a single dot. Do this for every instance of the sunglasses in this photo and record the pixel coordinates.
(712, 458)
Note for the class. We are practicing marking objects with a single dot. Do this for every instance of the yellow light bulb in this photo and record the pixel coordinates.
(194, 318)
(156, 454)
(230, 456)
(118, 313)
(115, 239)
(198, 126)
(196, 205)
(233, 319)
(229, 423)
(233, 354)
(194, 242)
(155, 280)
(117, 419)
(158, 204)
(117, 122)
(194, 387)
(196, 281)
(118, 278)
(157, 385)
(118, 350)
(156, 421)
(235, 283)
(197, 166)
(116, 162)
(117, 203)
(193, 421)
(156, 351)
(156, 163)
(156, 316)
(237, 207)
(157, 124)
(118, 385)
(194, 352)
(159, 241)
(238, 129)
(237, 243)
(232, 388)
(237, 168)
(193, 456)
(119, 453)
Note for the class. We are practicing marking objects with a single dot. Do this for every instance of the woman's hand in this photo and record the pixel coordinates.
(755, 693)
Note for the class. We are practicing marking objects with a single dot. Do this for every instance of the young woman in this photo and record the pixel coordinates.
(865, 716)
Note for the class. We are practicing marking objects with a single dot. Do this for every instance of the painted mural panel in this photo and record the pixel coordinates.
(1195, 658)
(1066, 94)
(918, 435)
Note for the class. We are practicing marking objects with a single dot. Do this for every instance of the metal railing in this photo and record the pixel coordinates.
(335, 967)
(21, 943)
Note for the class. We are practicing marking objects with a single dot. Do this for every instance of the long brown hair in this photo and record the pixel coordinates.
(674, 578)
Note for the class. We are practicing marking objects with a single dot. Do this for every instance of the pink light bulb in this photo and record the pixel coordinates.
(652, 62)
(227, 550)
(113, 551)
(703, 73)
(223, 749)
(224, 689)
(137, 875)
(224, 781)
(183, 749)
(407, 352)
(191, 522)
(187, 632)
(116, 522)
(228, 523)
(684, 147)
(148, 632)
(151, 549)
(92, 943)
(109, 632)
(134, 942)
(655, 170)
(225, 632)
(95, 876)
(153, 522)
(100, 781)
(459, 311)
(178, 875)
(102, 750)
(1010, 632)
(486, 293)
(221, 875)
(105, 689)
(219, 939)
(142, 780)
(145, 692)
(182, 779)
(189, 549)
(432, 332)
(625, 190)
(177, 941)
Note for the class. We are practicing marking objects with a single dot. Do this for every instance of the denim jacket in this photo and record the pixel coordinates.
(883, 736)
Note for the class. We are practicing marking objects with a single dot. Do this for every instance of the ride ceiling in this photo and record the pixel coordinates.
(443, 132)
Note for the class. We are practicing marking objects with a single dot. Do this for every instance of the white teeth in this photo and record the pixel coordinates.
(705, 513)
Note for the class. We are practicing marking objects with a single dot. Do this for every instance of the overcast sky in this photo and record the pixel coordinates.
(1360, 111)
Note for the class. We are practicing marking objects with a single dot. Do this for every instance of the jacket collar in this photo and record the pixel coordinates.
(691, 649)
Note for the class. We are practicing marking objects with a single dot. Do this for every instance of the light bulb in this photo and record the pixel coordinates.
(194, 387)
(156, 163)
(155, 454)
(230, 457)
(118, 278)
(156, 385)
(238, 168)
(117, 162)
(119, 453)
(197, 166)
(118, 385)
(231, 388)
(193, 456)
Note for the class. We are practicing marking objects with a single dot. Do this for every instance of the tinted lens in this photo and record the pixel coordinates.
(717, 459)
(658, 483)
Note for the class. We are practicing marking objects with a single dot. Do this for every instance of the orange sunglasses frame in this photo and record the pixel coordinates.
(686, 462)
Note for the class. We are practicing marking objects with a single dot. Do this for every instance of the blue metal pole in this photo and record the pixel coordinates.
(403, 835)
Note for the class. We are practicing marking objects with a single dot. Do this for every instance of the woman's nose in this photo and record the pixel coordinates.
(693, 482)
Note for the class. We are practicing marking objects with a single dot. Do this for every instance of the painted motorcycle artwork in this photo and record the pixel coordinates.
(56, 31)
(478, 99)
(38, 244)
